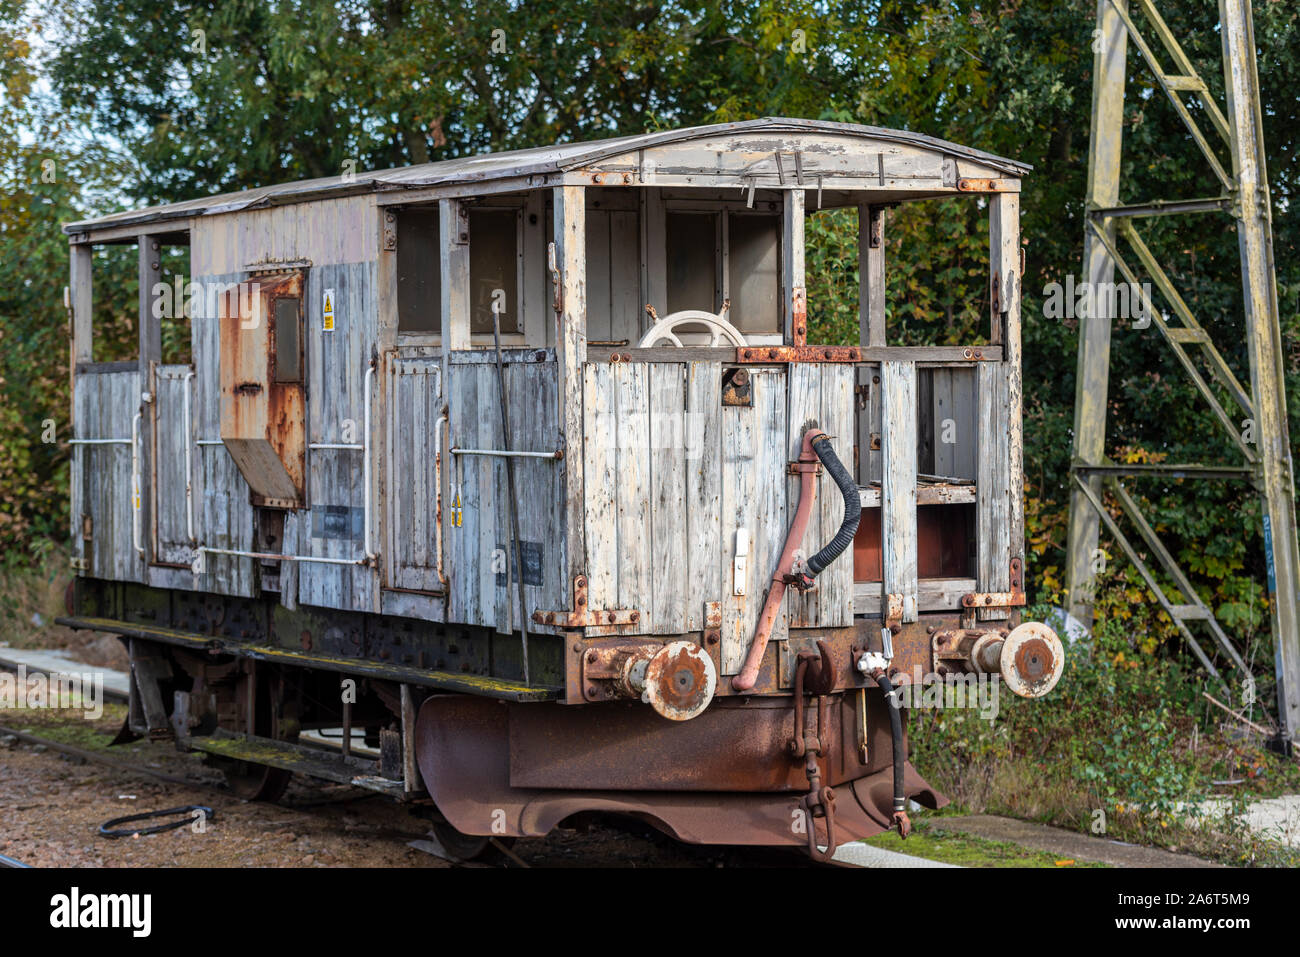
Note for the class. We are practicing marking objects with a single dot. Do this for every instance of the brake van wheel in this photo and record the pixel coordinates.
(247, 779)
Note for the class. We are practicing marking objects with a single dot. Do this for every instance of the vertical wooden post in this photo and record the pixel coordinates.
(898, 557)
(1004, 256)
(80, 299)
(793, 283)
(453, 245)
(570, 220)
(81, 350)
(149, 273)
(871, 275)
(1092, 379)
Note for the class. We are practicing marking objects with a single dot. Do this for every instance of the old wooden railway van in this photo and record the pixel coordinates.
(523, 466)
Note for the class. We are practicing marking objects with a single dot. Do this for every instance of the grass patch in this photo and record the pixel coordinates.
(934, 843)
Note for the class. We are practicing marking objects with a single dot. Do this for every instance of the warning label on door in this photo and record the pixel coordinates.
(327, 313)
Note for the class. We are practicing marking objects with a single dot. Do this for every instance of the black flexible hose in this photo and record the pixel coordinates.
(896, 735)
(852, 506)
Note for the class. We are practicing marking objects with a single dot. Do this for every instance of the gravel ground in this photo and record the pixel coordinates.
(51, 806)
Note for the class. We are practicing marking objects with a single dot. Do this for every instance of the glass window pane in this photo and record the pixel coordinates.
(493, 269)
(691, 240)
(755, 272)
(419, 272)
(288, 341)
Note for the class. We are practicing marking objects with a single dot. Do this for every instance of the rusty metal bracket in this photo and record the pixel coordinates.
(799, 311)
(1014, 598)
(583, 617)
(783, 354)
(974, 184)
(798, 468)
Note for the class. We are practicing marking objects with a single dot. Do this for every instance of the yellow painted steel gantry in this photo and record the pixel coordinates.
(1112, 241)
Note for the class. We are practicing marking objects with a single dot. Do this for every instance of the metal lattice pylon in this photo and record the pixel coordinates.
(1113, 241)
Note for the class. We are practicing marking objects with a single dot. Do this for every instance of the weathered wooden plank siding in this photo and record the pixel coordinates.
(993, 505)
(322, 232)
(101, 474)
(898, 485)
(955, 405)
(476, 553)
(754, 497)
(411, 486)
(336, 368)
(821, 396)
(224, 519)
(705, 581)
(171, 438)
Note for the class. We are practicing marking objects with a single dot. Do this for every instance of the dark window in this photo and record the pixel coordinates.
(692, 261)
(754, 272)
(288, 341)
(419, 272)
(493, 269)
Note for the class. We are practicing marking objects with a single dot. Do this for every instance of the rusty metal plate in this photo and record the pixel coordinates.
(780, 354)
(463, 747)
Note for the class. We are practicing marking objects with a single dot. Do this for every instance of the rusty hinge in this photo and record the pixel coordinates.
(584, 617)
(390, 230)
(779, 354)
(1014, 598)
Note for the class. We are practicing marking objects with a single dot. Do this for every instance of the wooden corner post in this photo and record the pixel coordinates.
(570, 290)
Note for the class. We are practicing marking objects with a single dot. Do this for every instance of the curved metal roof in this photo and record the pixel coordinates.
(535, 161)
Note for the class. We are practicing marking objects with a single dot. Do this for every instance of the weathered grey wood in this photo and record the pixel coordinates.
(898, 484)
(993, 507)
(411, 490)
(454, 262)
(635, 581)
(794, 285)
(223, 514)
(81, 302)
(1005, 250)
(149, 272)
(336, 369)
(105, 406)
(954, 411)
(171, 538)
(654, 262)
(753, 453)
(925, 495)
(569, 210)
(600, 501)
(871, 275)
(706, 573)
(669, 508)
(933, 594)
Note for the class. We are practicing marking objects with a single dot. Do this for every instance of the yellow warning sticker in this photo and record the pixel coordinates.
(327, 313)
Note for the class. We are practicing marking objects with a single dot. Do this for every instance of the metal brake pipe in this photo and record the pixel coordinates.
(901, 820)
(785, 567)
